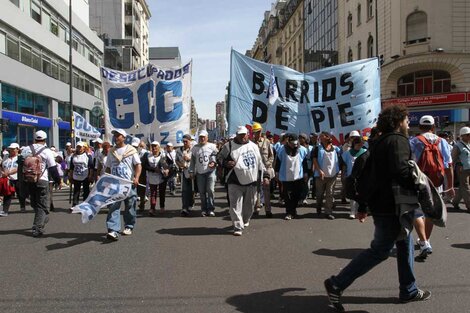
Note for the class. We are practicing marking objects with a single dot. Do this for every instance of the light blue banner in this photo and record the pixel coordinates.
(336, 99)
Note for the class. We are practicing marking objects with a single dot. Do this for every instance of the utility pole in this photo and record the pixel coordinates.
(72, 135)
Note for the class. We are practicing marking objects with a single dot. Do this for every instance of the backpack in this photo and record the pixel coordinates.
(431, 161)
(32, 166)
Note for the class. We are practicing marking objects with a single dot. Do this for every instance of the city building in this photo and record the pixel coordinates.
(424, 64)
(220, 119)
(320, 33)
(194, 117)
(124, 27)
(34, 63)
(165, 57)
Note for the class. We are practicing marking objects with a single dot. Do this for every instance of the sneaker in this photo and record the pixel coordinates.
(246, 224)
(269, 214)
(423, 255)
(305, 202)
(184, 212)
(211, 214)
(112, 235)
(237, 233)
(330, 217)
(288, 217)
(352, 216)
(203, 213)
(334, 295)
(127, 231)
(3, 213)
(421, 295)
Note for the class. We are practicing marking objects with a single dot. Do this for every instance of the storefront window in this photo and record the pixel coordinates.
(8, 98)
(25, 102)
(64, 137)
(64, 111)
(11, 135)
(41, 106)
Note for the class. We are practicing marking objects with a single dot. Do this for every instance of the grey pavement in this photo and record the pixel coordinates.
(176, 264)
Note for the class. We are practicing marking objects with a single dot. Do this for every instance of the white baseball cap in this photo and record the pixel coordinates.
(13, 145)
(464, 131)
(68, 144)
(155, 143)
(426, 120)
(119, 131)
(135, 142)
(81, 144)
(98, 140)
(203, 133)
(40, 135)
(242, 130)
(169, 144)
(354, 133)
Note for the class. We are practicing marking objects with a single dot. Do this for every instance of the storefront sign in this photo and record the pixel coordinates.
(448, 98)
(27, 119)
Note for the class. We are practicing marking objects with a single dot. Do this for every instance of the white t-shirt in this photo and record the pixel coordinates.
(328, 166)
(202, 155)
(80, 166)
(47, 158)
(9, 164)
(154, 178)
(248, 162)
(125, 168)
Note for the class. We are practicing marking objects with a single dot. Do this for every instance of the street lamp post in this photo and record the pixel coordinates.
(71, 76)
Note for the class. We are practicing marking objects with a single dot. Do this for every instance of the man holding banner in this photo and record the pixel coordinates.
(123, 161)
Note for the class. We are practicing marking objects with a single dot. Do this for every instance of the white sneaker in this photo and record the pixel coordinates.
(211, 214)
(237, 233)
(112, 235)
(352, 216)
(127, 231)
(3, 213)
(246, 224)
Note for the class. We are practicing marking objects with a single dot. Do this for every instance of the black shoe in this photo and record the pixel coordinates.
(318, 211)
(269, 214)
(334, 295)
(423, 255)
(421, 295)
(37, 233)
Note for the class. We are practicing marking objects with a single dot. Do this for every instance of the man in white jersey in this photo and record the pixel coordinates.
(242, 159)
(123, 161)
(202, 167)
(39, 191)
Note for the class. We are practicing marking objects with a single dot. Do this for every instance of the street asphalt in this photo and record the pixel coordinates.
(194, 264)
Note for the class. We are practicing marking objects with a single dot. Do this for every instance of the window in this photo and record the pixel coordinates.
(25, 102)
(41, 106)
(2, 43)
(46, 19)
(416, 28)
(62, 31)
(54, 27)
(36, 11)
(8, 97)
(370, 47)
(64, 111)
(370, 9)
(63, 74)
(350, 55)
(424, 82)
(359, 48)
(54, 70)
(26, 55)
(36, 60)
(350, 24)
(13, 48)
(358, 14)
(46, 65)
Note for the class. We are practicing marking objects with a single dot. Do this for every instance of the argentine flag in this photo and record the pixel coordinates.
(273, 93)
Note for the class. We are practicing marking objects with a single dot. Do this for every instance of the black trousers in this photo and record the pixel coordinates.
(77, 184)
(292, 191)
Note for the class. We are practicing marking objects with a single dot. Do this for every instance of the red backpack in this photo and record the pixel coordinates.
(431, 161)
(32, 166)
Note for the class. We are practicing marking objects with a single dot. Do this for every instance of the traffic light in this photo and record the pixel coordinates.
(4, 123)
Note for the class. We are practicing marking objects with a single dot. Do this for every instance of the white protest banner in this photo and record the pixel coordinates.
(83, 129)
(150, 102)
(107, 190)
(337, 99)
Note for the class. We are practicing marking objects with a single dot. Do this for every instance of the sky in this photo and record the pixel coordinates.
(205, 31)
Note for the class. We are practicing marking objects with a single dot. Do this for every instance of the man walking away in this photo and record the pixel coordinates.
(392, 149)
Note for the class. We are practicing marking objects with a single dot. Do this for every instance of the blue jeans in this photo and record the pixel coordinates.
(113, 220)
(387, 229)
(187, 192)
(206, 184)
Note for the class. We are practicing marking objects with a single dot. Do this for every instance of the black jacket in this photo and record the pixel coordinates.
(390, 155)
